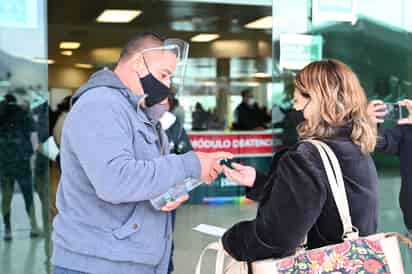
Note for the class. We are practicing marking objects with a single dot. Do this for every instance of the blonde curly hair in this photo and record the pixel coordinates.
(335, 91)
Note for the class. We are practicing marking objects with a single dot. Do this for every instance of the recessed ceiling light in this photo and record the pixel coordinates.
(252, 84)
(205, 37)
(261, 23)
(118, 16)
(262, 75)
(43, 60)
(67, 52)
(209, 83)
(84, 66)
(69, 45)
(105, 55)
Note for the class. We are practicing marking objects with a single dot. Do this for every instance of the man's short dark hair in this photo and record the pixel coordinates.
(246, 93)
(137, 43)
(10, 98)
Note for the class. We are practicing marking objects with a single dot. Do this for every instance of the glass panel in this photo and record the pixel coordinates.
(24, 130)
(218, 73)
(374, 39)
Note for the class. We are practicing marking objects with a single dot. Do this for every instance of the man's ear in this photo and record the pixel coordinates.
(137, 64)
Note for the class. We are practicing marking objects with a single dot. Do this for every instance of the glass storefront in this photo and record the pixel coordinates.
(24, 130)
(374, 39)
(252, 62)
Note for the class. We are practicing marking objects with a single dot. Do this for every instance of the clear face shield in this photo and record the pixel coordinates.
(167, 63)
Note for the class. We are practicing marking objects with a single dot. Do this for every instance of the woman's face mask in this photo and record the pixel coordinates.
(300, 104)
(299, 117)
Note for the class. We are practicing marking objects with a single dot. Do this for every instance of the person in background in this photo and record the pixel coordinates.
(295, 198)
(53, 116)
(200, 118)
(248, 115)
(41, 173)
(62, 108)
(398, 141)
(16, 149)
(213, 121)
(179, 143)
(45, 186)
(278, 116)
(177, 110)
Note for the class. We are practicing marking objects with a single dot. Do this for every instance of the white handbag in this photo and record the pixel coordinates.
(387, 244)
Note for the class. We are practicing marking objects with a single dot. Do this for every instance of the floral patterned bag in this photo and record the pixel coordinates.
(375, 254)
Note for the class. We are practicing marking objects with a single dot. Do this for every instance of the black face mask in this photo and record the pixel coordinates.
(156, 91)
(300, 117)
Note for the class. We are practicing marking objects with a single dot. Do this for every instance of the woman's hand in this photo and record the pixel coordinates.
(376, 111)
(408, 120)
(242, 175)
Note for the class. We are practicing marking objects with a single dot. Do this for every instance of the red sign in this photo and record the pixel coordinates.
(240, 144)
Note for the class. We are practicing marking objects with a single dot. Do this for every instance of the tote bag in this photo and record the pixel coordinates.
(374, 254)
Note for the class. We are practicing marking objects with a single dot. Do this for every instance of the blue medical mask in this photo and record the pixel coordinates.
(156, 111)
(251, 102)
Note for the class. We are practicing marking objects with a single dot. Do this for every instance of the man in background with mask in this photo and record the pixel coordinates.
(179, 143)
(114, 157)
(248, 115)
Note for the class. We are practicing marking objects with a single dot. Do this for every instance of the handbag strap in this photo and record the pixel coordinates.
(220, 257)
(337, 185)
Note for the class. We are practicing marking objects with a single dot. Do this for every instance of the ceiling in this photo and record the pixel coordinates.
(75, 20)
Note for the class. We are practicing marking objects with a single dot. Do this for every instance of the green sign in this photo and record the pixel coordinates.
(298, 50)
(340, 6)
(333, 10)
(18, 13)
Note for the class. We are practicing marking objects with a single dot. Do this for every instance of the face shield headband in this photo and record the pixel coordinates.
(174, 53)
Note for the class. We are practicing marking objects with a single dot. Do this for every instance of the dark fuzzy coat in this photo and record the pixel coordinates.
(295, 200)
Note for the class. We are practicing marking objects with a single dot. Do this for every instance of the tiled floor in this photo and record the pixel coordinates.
(22, 255)
(26, 256)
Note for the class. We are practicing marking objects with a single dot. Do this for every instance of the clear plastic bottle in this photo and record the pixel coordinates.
(175, 192)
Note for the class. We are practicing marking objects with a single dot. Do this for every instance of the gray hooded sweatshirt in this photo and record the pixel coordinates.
(113, 162)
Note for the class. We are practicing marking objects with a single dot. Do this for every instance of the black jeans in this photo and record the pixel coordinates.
(23, 175)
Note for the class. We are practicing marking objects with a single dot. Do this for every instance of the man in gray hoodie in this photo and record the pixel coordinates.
(114, 159)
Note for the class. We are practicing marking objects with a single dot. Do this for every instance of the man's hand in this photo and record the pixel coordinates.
(376, 111)
(408, 104)
(242, 175)
(210, 165)
(170, 206)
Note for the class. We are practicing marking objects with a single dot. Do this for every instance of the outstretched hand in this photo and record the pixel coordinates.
(376, 111)
(242, 175)
(210, 164)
